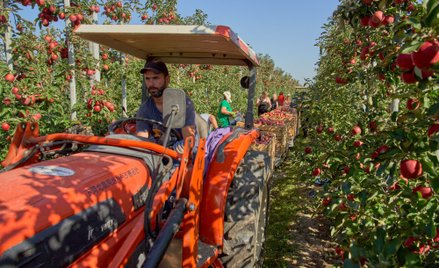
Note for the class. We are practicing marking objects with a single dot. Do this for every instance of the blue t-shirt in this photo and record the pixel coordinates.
(149, 110)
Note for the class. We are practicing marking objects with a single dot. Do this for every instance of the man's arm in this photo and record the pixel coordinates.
(142, 127)
(188, 131)
(213, 121)
(189, 128)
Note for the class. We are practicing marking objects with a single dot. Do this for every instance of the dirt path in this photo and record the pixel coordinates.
(297, 236)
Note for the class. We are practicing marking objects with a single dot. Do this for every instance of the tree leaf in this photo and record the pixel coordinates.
(348, 263)
(379, 240)
(392, 247)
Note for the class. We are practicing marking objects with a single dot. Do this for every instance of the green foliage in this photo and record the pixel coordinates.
(358, 83)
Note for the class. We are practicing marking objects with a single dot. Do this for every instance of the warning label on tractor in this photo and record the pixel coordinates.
(52, 171)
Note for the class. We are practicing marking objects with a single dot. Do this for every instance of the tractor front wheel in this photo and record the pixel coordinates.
(246, 212)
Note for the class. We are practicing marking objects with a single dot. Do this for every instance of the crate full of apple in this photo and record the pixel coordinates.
(266, 143)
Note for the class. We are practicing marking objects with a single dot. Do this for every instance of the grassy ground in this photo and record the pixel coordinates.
(297, 236)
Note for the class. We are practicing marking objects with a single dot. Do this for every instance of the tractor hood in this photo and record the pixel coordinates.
(67, 204)
(188, 44)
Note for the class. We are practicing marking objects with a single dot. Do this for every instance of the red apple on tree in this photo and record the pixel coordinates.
(373, 125)
(389, 20)
(308, 150)
(377, 17)
(53, 57)
(326, 201)
(412, 104)
(426, 192)
(409, 241)
(36, 116)
(374, 155)
(410, 169)
(5, 126)
(90, 72)
(73, 18)
(409, 77)
(373, 23)
(337, 137)
(7, 101)
(382, 149)
(434, 128)
(356, 130)
(358, 143)
(427, 55)
(316, 172)
(97, 108)
(319, 129)
(9, 77)
(405, 62)
(342, 206)
(364, 21)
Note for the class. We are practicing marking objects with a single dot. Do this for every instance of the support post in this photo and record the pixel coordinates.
(249, 116)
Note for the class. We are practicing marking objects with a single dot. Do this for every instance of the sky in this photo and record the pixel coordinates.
(286, 30)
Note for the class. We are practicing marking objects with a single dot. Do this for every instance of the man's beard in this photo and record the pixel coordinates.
(157, 93)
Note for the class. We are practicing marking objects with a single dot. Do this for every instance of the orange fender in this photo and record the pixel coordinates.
(221, 172)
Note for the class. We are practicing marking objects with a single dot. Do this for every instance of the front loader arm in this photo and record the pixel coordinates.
(20, 151)
(26, 142)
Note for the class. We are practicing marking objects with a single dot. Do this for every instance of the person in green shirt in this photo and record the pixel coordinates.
(225, 110)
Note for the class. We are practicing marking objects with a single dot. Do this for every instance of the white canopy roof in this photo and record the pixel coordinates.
(187, 44)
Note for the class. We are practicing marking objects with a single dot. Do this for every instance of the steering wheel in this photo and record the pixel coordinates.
(124, 123)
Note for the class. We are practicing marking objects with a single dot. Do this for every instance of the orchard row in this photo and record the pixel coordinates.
(372, 119)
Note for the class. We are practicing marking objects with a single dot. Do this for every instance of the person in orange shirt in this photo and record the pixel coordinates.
(281, 99)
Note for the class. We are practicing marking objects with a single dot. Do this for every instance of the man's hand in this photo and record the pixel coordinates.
(143, 134)
(233, 114)
(178, 146)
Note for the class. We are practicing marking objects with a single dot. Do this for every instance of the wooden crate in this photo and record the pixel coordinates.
(269, 148)
(292, 128)
(281, 137)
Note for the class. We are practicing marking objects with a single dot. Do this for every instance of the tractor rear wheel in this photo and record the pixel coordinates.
(246, 212)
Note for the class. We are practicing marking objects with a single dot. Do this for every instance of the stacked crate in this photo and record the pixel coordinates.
(269, 148)
(279, 135)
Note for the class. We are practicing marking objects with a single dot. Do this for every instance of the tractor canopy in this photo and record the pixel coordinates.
(189, 44)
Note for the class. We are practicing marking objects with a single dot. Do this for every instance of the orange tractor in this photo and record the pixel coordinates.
(123, 201)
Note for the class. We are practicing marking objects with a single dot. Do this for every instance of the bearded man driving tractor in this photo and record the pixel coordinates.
(157, 79)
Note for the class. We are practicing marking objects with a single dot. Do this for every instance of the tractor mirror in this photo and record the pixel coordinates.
(174, 103)
(245, 82)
